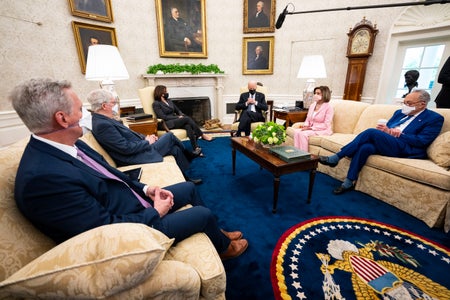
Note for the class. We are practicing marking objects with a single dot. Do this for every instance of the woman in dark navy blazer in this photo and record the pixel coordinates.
(165, 109)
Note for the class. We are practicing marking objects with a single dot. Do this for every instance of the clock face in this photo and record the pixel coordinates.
(361, 42)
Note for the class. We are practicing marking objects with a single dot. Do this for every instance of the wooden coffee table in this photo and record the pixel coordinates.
(273, 164)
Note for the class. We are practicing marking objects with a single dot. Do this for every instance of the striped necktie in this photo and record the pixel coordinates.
(102, 170)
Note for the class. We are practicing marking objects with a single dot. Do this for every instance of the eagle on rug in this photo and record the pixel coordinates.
(375, 279)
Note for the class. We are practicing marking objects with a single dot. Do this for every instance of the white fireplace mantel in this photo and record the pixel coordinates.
(188, 85)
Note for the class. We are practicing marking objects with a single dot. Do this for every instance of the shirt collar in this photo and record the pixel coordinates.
(71, 150)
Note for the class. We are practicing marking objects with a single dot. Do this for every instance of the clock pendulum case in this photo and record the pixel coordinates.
(359, 49)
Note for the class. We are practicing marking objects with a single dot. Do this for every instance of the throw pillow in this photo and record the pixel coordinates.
(95, 264)
(439, 150)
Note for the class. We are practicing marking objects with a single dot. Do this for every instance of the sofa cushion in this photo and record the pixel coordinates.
(439, 150)
(346, 114)
(97, 263)
(419, 170)
(20, 241)
(333, 142)
(161, 174)
(372, 114)
(89, 139)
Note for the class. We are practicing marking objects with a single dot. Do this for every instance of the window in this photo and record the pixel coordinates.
(426, 60)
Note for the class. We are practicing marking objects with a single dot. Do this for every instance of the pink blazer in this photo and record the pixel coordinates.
(321, 121)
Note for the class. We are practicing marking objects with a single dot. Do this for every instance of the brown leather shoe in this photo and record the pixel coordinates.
(235, 249)
(234, 235)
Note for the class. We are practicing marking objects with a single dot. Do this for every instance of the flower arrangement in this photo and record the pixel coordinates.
(269, 133)
(189, 68)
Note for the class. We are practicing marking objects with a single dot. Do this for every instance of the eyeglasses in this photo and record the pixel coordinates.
(411, 103)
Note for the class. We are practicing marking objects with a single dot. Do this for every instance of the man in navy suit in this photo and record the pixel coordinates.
(251, 103)
(65, 188)
(407, 134)
(127, 147)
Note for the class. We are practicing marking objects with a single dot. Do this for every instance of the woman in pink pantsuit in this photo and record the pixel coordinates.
(318, 120)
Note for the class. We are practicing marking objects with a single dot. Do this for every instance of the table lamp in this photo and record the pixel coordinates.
(105, 64)
(312, 67)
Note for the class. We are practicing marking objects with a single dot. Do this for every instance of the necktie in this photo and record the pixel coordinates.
(102, 170)
(251, 107)
(401, 121)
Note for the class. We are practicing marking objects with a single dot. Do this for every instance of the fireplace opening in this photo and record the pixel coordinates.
(198, 108)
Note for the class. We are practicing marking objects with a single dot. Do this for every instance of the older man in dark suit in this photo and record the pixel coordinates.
(251, 103)
(65, 188)
(127, 147)
(408, 133)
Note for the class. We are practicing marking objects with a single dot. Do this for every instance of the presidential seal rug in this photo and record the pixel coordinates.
(354, 258)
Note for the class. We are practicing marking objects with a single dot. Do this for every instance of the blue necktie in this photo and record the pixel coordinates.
(401, 121)
(102, 170)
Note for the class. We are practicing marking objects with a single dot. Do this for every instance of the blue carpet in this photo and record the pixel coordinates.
(244, 202)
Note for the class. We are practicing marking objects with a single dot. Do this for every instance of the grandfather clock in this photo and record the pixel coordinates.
(360, 47)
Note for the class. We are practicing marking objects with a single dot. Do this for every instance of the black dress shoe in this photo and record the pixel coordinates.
(341, 189)
(324, 161)
(195, 181)
(233, 133)
(197, 151)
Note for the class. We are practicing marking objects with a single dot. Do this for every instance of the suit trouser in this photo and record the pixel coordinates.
(246, 119)
(192, 130)
(368, 142)
(182, 224)
(169, 144)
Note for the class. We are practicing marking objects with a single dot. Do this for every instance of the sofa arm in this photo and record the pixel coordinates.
(97, 263)
(297, 125)
(199, 252)
(170, 280)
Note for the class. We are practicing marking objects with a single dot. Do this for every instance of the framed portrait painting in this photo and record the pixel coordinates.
(259, 16)
(99, 10)
(257, 55)
(87, 35)
(181, 28)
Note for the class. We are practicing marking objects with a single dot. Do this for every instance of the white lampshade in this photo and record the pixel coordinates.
(312, 66)
(104, 63)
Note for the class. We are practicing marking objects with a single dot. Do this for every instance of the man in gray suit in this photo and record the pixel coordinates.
(127, 147)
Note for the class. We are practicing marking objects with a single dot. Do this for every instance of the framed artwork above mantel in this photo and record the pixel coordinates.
(181, 28)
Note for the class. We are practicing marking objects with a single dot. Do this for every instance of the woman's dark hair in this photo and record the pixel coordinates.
(326, 93)
(159, 91)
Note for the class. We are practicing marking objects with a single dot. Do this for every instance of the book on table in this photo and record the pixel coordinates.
(139, 117)
(289, 153)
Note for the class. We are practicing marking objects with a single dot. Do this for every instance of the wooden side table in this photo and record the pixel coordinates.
(290, 117)
(147, 127)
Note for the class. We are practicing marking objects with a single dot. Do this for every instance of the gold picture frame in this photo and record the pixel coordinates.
(99, 10)
(89, 34)
(259, 16)
(185, 37)
(263, 47)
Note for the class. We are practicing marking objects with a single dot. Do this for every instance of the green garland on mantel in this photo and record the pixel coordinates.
(188, 68)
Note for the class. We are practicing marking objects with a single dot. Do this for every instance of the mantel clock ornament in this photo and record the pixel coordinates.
(360, 47)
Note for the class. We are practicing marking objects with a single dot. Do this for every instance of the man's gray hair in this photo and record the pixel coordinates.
(37, 100)
(97, 97)
(423, 95)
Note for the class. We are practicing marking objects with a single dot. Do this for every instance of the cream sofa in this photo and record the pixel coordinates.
(420, 187)
(118, 261)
